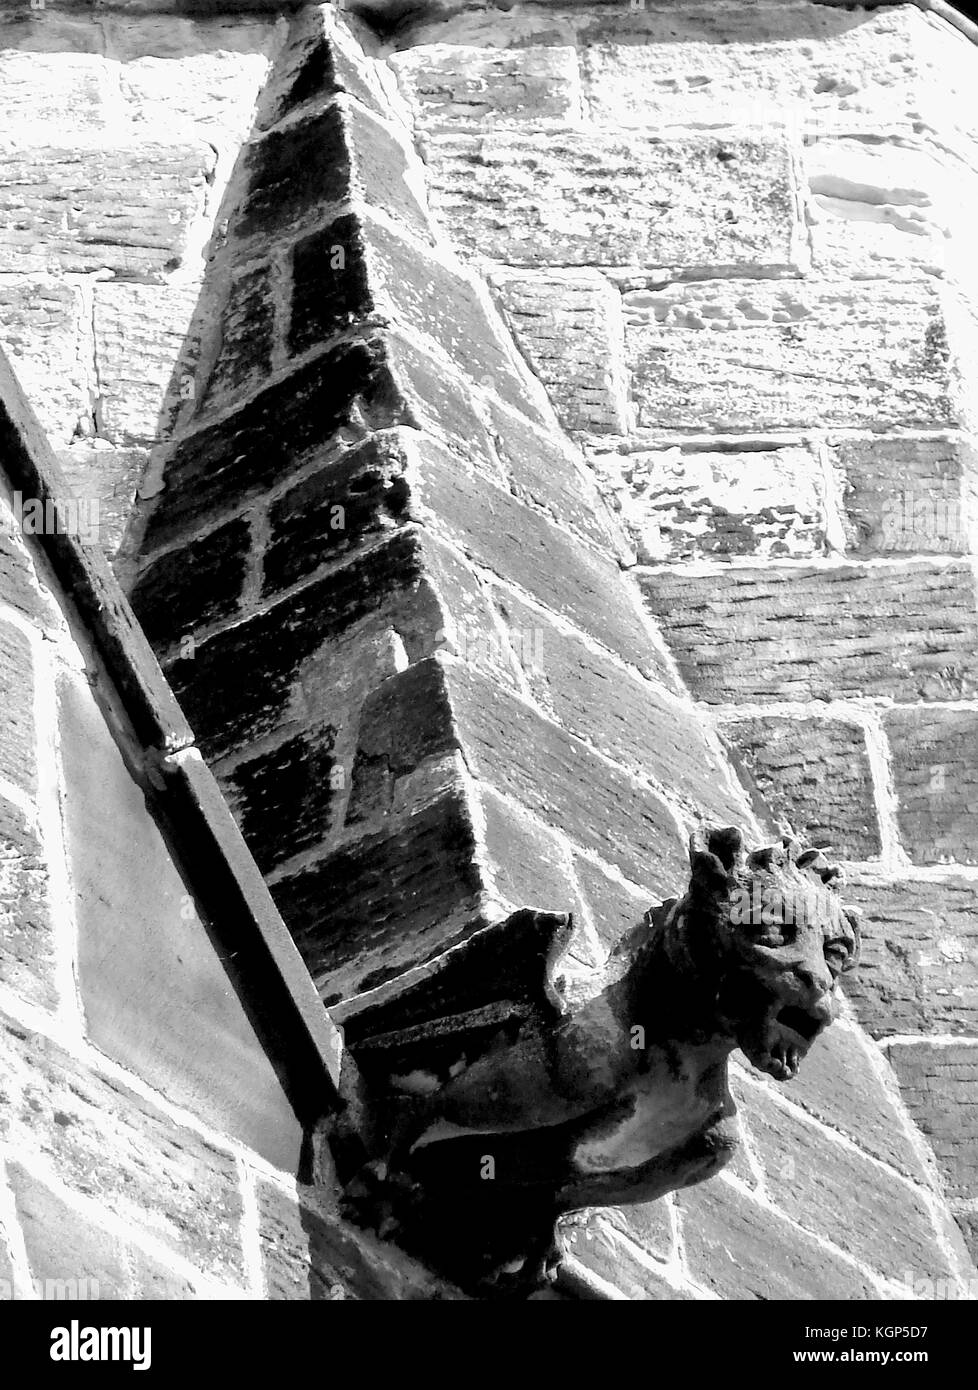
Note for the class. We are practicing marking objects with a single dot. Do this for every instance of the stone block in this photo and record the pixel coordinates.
(700, 201)
(357, 267)
(813, 774)
(568, 325)
(18, 755)
(27, 931)
(520, 545)
(937, 1081)
(272, 673)
(125, 207)
(147, 968)
(100, 474)
(247, 337)
(904, 630)
(391, 899)
(542, 471)
(918, 971)
(841, 1084)
(630, 719)
(321, 58)
(908, 495)
(331, 156)
(359, 498)
(739, 1249)
(145, 354)
(685, 505)
(286, 425)
(812, 1177)
(41, 332)
(935, 771)
(454, 86)
(195, 585)
(106, 1142)
(731, 355)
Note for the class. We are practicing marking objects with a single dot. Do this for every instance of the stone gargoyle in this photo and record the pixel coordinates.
(489, 1102)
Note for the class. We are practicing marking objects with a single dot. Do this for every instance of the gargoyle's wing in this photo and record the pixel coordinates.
(505, 973)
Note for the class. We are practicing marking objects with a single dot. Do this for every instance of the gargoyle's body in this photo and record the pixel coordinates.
(486, 1123)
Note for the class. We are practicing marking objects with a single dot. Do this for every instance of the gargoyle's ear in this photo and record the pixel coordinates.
(713, 854)
(854, 918)
(724, 844)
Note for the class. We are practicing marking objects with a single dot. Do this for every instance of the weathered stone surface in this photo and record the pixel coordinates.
(322, 57)
(530, 864)
(269, 673)
(840, 1086)
(754, 355)
(434, 397)
(883, 210)
(630, 719)
(126, 86)
(813, 774)
(540, 469)
(356, 267)
(308, 1253)
(266, 440)
(361, 495)
(605, 1248)
(419, 871)
(290, 798)
(187, 588)
(96, 471)
(935, 769)
(72, 1256)
(247, 337)
(107, 1142)
(812, 1180)
(520, 545)
(18, 759)
(20, 587)
(616, 907)
(648, 1223)
(329, 157)
(144, 354)
(452, 86)
(681, 505)
(938, 1084)
(558, 778)
(918, 972)
(706, 65)
(145, 990)
(905, 630)
(41, 332)
(66, 1250)
(26, 928)
(601, 198)
(568, 324)
(209, 94)
(120, 207)
(739, 1249)
(908, 495)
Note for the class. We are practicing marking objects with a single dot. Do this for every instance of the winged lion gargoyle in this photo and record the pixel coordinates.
(489, 1101)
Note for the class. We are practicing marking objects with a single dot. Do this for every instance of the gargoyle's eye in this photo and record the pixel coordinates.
(837, 955)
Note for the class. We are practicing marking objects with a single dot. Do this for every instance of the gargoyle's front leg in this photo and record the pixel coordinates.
(693, 1161)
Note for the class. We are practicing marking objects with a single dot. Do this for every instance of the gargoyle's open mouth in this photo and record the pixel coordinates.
(789, 1036)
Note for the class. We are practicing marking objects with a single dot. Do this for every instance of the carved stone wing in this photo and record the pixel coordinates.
(497, 980)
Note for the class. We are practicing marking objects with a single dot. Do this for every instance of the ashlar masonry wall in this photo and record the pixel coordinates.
(391, 600)
(733, 241)
(395, 604)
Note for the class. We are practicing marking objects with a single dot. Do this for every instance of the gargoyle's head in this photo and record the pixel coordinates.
(769, 931)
